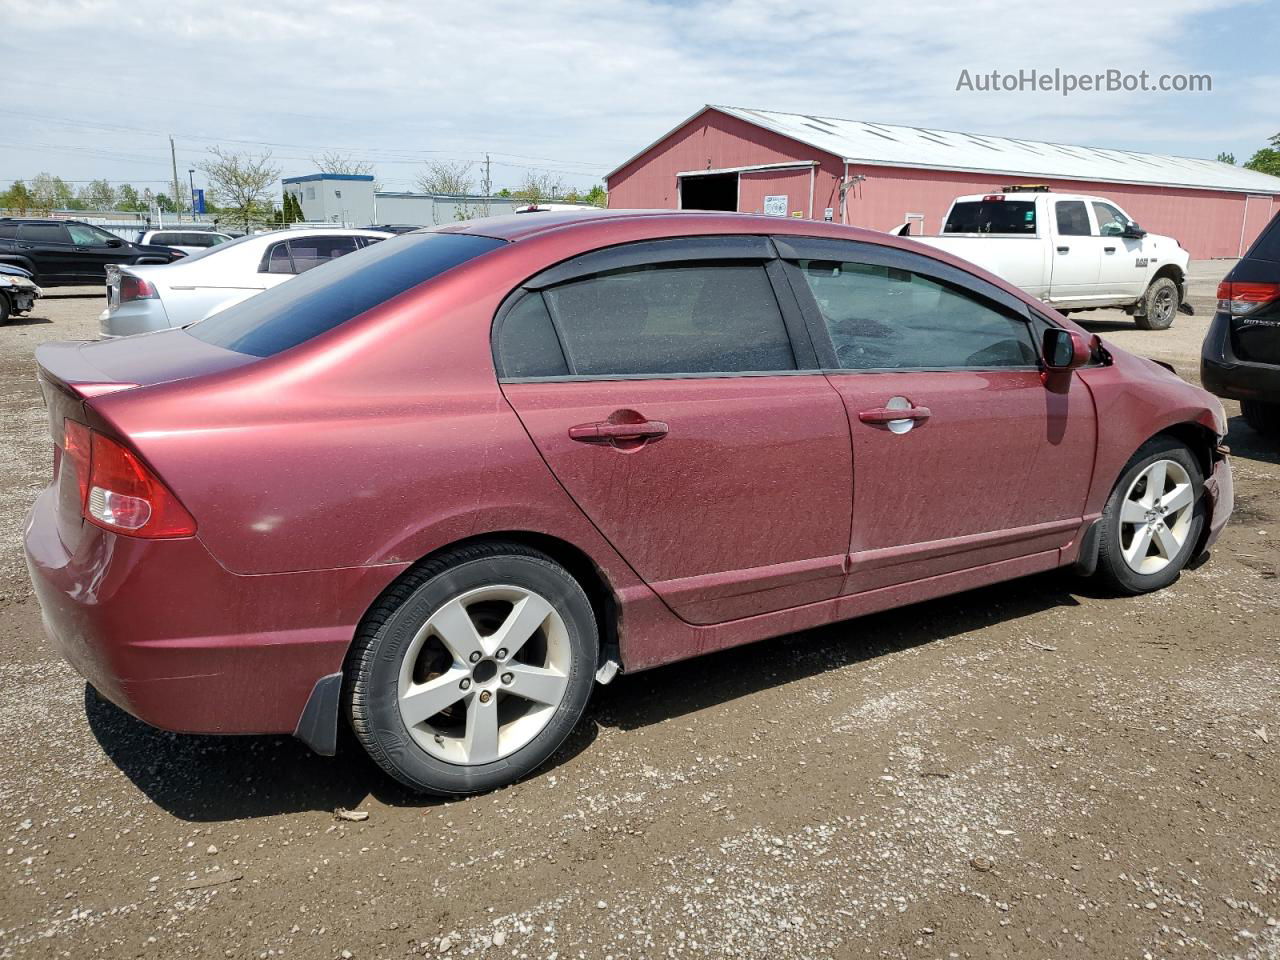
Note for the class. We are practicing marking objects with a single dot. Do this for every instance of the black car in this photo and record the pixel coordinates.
(67, 251)
(1241, 355)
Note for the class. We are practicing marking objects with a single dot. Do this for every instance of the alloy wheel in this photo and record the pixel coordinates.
(1156, 516)
(484, 675)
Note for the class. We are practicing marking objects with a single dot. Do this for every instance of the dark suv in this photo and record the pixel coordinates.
(67, 251)
(1241, 354)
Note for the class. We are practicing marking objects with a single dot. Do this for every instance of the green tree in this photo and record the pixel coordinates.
(127, 198)
(1267, 160)
(17, 198)
(596, 196)
(50, 193)
(165, 204)
(504, 192)
(98, 195)
(1225, 157)
(242, 181)
(538, 187)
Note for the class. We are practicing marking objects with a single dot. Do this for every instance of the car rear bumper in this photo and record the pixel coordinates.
(1225, 375)
(166, 633)
(136, 316)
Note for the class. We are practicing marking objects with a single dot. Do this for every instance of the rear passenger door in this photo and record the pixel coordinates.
(674, 392)
(1077, 254)
(962, 457)
(49, 247)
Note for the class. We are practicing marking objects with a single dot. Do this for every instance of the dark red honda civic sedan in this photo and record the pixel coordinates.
(445, 484)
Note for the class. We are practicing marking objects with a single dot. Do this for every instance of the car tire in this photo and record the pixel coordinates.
(502, 712)
(1263, 417)
(1137, 555)
(4, 308)
(1159, 305)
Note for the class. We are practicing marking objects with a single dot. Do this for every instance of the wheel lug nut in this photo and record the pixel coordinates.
(465, 684)
(507, 677)
(475, 656)
(502, 653)
(485, 696)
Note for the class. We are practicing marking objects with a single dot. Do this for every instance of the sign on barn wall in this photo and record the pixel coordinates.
(775, 206)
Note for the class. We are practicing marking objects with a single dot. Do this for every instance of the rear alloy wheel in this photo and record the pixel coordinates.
(1160, 305)
(1153, 519)
(1263, 417)
(473, 670)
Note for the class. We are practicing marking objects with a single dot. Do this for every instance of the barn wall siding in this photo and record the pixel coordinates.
(1209, 223)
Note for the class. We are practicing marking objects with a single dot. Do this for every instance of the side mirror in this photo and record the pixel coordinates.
(1133, 231)
(114, 242)
(1065, 349)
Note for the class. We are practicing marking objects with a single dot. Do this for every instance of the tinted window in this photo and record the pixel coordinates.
(8, 231)
(1073, 220)
(1267, 246)
(1111, 222)
(294, 312)
(43, 233)
(277, 260)
(162, 239)
(886, 318)
(672, 318)
(527, 341)
(992, 216)
(85, 236)
(310, 252)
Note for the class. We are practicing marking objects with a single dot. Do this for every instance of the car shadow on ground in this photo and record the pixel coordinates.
(1102, 326)
(205, 779)
(26, 321)
(1245, 442)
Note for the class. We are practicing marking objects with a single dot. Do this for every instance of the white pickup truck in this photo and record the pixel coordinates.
(1071, 251)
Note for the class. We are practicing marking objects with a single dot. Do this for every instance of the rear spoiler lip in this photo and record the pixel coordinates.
(63, 364)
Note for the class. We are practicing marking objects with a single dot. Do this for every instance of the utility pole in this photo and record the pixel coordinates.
(488, 185)
(173, 155)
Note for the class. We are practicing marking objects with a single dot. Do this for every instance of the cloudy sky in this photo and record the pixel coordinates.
(93, 88)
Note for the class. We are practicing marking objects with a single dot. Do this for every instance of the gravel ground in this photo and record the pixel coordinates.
(1029, 770)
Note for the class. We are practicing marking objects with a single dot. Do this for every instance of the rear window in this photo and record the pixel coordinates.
(1267, 246)
(992, 216)
(320, 300)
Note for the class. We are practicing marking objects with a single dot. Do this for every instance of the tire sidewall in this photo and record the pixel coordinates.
(413, 765)
(1126, 576)
(1148, 321)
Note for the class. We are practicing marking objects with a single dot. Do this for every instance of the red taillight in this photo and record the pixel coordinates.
(1239, 299)
(993, 197)
(135, 288)
(118, 491)
(75, 451)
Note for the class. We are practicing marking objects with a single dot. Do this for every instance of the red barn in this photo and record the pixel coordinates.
(879, 175)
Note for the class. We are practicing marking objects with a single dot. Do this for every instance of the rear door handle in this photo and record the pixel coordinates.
(606, 432)
(1064, 249)
(1109, 249)
(889, 414)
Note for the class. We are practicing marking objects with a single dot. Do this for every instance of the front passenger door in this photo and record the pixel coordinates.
(672, 389)
(962, 456)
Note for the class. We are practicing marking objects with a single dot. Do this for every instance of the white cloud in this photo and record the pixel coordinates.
(564, 84)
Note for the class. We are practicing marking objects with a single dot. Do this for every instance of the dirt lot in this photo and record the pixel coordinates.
(1032, 770)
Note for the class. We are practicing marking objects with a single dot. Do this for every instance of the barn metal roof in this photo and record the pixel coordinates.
(892, 145)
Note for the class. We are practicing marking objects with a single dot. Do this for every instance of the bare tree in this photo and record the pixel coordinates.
(538, 187)
(452, 177)
(241, 182)
(331, 161)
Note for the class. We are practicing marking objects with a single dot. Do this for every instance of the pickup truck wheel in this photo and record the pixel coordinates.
(1159, 305)
(4, 308)
(1153, 518)
(1263, 417)
(473, 669)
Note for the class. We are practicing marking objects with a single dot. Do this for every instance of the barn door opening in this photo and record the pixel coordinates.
(713, 191)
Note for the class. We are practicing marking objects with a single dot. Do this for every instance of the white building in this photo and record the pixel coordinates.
(351, 199)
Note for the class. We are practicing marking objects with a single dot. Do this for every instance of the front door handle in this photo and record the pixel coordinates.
(607, 432)
(889, 414)
(1109, 249)
(1064, 249)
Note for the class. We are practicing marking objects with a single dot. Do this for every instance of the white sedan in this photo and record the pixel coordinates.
(141, 299)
